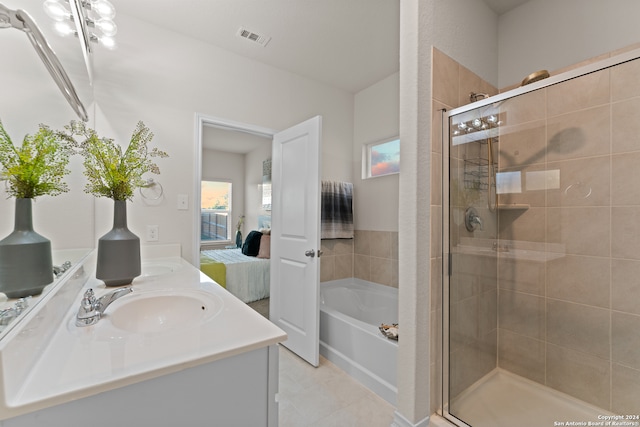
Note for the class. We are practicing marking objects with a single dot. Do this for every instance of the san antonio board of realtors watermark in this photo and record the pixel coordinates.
(604, 421)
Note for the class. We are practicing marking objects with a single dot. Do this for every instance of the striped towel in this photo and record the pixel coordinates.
(337, 210)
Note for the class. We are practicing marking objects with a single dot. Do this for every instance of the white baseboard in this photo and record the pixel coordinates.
(431, 421)
(400, 421)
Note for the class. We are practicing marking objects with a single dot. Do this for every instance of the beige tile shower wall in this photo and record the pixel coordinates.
(572, 322)
(375, 257)
(371, 256)
(337, 259)
(474, 300)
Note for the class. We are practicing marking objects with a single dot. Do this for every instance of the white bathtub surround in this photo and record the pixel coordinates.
(351, 310)
(89, 364)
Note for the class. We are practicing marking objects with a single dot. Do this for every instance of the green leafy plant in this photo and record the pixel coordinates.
(38, 167)
(110, 171)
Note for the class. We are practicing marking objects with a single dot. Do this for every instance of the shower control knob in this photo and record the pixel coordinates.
(310, 253)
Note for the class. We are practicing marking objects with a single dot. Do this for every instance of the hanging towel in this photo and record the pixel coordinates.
(337, 210)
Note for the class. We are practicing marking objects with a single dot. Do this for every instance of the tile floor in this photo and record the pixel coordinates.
(324, 396)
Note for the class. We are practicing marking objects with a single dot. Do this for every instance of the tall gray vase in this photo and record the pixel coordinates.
(118, 251)
(26, 266)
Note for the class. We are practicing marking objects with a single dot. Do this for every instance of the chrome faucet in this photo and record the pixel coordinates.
(91, 308)
(472, 220)
(9, 314)
(476, 220)
(59, 269)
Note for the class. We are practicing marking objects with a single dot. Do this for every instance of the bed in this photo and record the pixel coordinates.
(244, 276)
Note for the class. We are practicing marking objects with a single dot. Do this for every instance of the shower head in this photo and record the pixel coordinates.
(473, 96)
(534, 77)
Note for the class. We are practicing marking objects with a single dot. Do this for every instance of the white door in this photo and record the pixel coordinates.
(295, 237)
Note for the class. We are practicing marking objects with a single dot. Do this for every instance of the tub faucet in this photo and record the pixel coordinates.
(91, 308)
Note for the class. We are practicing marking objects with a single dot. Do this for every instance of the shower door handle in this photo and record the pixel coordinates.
(310, 253)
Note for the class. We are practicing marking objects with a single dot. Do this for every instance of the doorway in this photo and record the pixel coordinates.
(294, 277)
(234, 143)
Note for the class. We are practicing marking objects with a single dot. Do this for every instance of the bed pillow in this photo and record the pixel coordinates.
(251, 245)
(265, 246)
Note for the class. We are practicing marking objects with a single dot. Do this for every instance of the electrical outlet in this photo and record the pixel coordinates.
(152, 233)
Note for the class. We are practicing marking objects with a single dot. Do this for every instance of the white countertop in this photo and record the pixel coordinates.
(81, 361)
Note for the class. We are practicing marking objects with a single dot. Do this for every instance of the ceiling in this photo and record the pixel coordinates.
(348, 44)
(503, 6)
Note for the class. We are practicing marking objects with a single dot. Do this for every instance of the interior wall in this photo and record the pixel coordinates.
(467, 30)
(30, 97)
(164, 78)
(451, 26)
(550, 34)
(253, 186)
(376, 118)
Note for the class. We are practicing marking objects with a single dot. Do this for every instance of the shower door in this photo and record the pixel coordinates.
(542, 288)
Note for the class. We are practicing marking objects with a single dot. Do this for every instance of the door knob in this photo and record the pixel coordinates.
(310, 253)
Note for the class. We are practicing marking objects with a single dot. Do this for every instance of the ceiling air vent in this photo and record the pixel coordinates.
(257, 38)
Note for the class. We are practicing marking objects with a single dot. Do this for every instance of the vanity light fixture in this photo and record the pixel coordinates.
(89, 20)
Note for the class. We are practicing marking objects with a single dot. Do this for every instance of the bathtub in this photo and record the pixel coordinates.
(350, 312)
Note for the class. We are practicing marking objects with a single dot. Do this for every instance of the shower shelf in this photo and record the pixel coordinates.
(514, 206)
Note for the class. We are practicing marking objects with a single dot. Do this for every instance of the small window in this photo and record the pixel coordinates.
(381, 158)
(215, 211)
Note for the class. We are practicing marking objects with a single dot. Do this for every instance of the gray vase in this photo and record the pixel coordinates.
(118, 251)
(26, 266)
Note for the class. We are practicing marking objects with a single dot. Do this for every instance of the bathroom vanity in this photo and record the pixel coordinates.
(178, 350)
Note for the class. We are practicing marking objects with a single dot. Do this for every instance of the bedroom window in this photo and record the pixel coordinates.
(381, 158)
(215, 211)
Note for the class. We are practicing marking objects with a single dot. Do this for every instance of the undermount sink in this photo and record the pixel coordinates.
(148, 312)
(158, 268)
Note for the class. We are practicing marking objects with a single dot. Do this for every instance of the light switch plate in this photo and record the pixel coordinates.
(183, 202)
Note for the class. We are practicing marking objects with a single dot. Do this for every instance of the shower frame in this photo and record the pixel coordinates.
(446, 250)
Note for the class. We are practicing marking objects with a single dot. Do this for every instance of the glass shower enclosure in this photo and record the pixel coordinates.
(542, 252)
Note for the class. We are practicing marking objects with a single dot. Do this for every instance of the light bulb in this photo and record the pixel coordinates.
(104, 8)
(64, 28)
(107, 26)
(56, 10)
(477, 123)
(492, 119)
(108, 42)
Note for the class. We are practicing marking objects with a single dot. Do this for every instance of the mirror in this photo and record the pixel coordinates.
(14, 310)
(30, 96)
